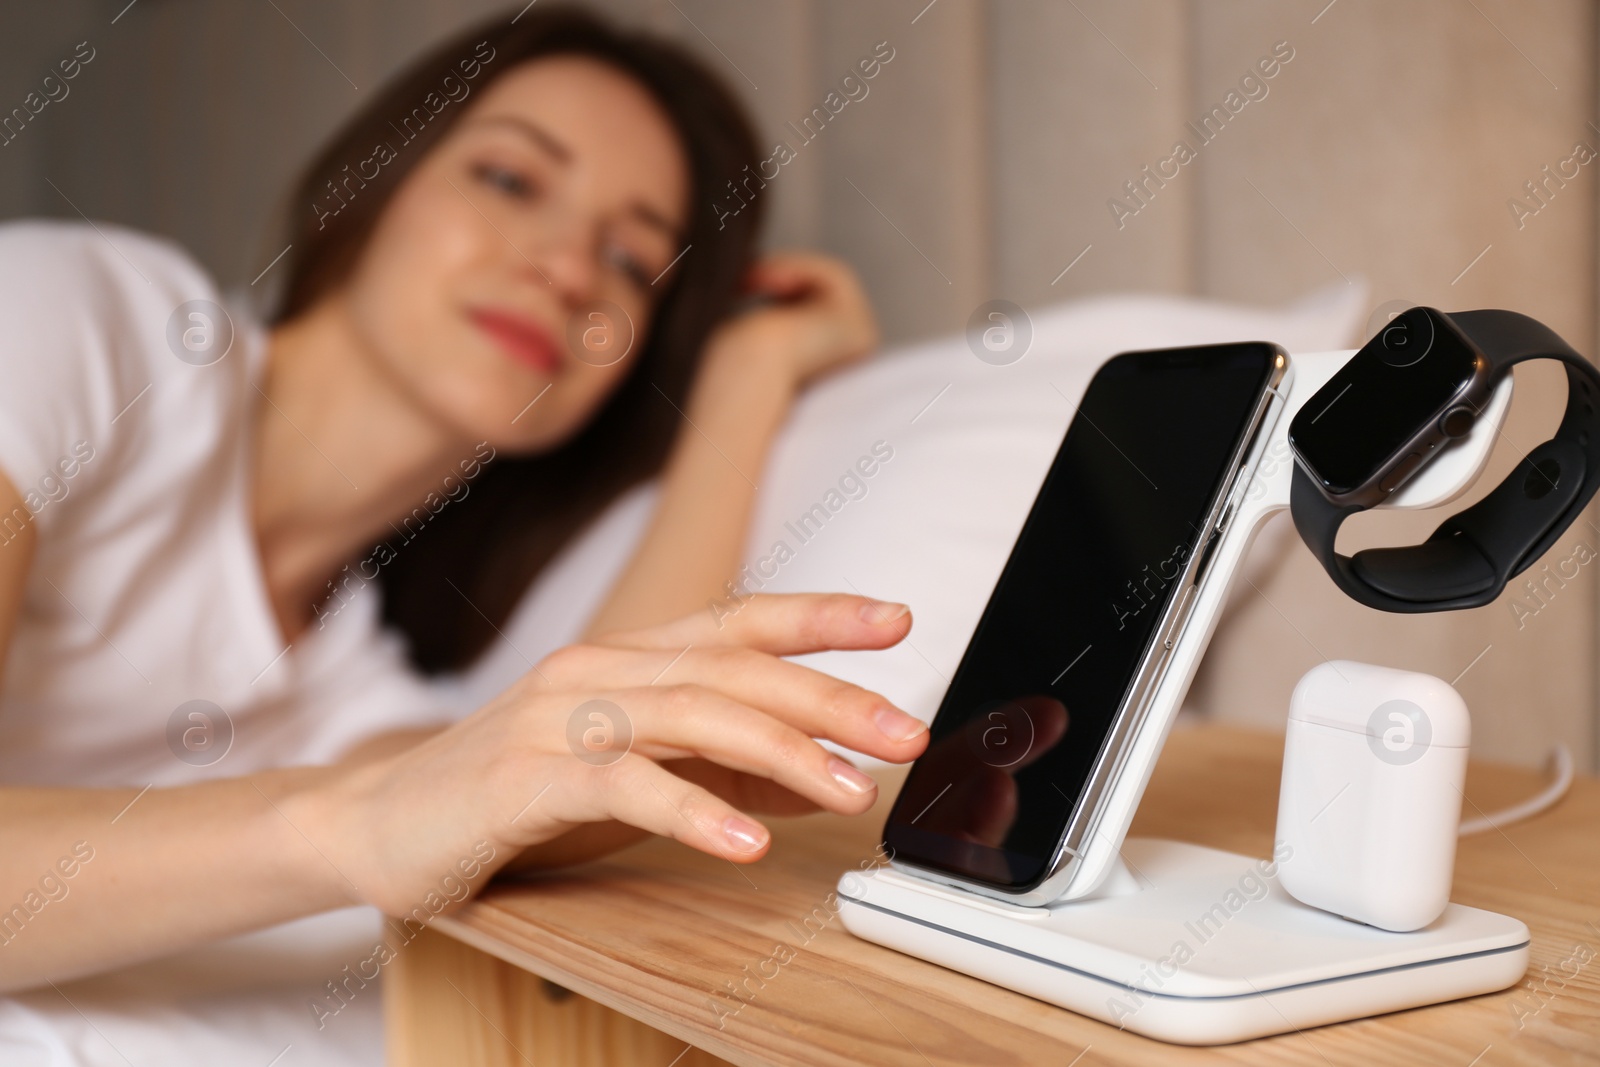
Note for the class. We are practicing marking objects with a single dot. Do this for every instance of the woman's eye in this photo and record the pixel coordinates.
(507, 181)
(622, 260)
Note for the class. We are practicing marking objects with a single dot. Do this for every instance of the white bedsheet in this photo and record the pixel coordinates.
(245, 1002)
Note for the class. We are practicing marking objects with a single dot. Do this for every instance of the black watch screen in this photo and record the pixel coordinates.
(1394, 389)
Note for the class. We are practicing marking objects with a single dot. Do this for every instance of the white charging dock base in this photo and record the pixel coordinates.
(1202, 947)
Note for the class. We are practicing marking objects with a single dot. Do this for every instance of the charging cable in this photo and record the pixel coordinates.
(1560, 761)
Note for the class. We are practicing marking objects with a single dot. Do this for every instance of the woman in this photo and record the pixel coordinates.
(201, 732)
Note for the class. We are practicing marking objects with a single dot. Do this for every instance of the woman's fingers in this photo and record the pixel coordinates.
(780, 277)
(818, 704)
(578, 845)
(733, 715)
(639, 792)
(787, 274)
(782, 624)
(748, 792)
(673, 722)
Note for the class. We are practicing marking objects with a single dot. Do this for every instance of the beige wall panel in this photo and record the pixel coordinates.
(1084, 96)
(1384, 158)
(905, 193)
(35, 39)
(209, 112)
(1392, 142)
(767, 55)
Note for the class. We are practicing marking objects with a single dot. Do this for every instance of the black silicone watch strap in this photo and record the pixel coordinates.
(1508, 337)
(1468, 559)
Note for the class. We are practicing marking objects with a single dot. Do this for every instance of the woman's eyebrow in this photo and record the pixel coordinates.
(544, 139)
(535, 133)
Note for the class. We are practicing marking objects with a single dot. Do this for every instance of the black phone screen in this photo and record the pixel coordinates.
(1057, 650)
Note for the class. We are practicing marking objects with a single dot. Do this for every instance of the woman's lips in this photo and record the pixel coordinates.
(523, 339)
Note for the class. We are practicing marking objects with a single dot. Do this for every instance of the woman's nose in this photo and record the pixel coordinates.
(565, 249)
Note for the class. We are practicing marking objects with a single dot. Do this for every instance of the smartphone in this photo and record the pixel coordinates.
(1031, 734)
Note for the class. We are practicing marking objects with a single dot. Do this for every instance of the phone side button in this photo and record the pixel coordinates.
(1227, 513)
(1205, 556)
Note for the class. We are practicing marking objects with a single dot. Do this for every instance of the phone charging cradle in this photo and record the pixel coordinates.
(1196, 945)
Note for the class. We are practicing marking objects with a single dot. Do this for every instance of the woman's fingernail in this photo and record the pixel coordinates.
(744, 835)
(850, 780)
(896, 725)
(882, 611)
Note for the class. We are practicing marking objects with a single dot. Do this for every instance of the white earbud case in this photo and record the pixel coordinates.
(1374, 762)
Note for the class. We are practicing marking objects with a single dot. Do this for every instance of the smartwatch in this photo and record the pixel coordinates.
(1400, 400)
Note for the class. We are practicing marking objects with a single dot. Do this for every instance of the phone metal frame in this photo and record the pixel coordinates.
(1090, 808)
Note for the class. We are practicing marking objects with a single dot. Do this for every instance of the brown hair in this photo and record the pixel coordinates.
(521, 510)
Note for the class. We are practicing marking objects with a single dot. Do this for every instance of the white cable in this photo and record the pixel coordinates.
(1561, 761)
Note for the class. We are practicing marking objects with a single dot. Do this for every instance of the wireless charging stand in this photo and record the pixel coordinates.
(1190, 944)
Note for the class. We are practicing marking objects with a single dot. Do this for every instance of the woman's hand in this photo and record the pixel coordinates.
(817, 318)
(547, 756)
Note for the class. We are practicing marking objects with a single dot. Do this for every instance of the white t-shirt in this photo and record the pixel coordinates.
(146, 594)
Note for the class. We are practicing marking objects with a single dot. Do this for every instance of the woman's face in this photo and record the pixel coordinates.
(518, 258)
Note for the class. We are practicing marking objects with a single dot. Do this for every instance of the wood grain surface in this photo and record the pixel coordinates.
(752, 964)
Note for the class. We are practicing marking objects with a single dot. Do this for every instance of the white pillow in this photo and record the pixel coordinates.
(968, 444)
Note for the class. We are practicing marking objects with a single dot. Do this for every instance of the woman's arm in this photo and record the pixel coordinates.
(18, 539)
(91, 879)
(753, 367)
(94, 878)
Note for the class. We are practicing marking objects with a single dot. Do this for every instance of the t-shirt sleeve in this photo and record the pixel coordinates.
(83, 311)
